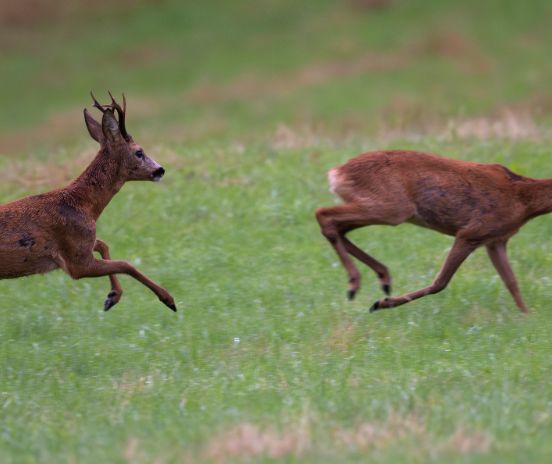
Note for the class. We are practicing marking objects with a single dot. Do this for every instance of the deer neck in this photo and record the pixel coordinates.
(537, 195)
(97, 185)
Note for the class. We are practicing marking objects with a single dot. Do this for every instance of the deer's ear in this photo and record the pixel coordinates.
(94, 127)
(110, 128)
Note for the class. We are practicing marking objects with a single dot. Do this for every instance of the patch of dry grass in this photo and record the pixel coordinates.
(370, 436)
(28, 14)
(506, 124)
(446, 44)
(40, 175)
(248, 441)
(61, 126)
(509, 123)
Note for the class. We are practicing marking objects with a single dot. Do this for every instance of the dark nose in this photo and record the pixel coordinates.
(158, 173)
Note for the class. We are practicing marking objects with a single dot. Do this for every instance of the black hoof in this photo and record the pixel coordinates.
(351, 294)
(171, 305)
(109, 301)
(375, 307)
(108, 304)
(386, 289)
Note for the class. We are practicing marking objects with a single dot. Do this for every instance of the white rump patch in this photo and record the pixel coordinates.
(333, 180)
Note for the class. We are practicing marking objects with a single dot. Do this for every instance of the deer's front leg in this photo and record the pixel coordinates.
(499, 258)
(98, 268)
(461, 249)
(114, 296)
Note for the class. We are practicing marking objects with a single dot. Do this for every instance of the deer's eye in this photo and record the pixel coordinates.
(139, 153)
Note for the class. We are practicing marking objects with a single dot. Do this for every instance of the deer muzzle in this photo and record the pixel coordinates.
(157, 174)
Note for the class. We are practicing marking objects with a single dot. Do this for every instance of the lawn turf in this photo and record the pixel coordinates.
(247, 105)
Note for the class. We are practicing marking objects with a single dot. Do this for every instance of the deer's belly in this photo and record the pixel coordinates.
(21, 264)
(444, 227)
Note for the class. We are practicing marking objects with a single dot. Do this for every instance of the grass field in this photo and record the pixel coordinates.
(247, 105)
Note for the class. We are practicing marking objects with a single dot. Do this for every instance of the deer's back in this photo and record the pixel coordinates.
(440, 193)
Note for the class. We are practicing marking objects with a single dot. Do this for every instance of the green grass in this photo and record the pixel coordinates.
(266, 360)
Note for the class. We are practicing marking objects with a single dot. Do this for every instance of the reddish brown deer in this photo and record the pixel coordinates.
(57, 229)
(478, 204)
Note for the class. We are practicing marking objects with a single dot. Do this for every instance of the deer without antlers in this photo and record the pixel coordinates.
(57, 229)
(479, 204)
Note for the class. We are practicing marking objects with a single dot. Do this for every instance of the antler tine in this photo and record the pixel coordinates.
(121, 113)
(97, 104)
(115, 105)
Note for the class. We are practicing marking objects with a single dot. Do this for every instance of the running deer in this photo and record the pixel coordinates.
(478, 204)
(57, 229)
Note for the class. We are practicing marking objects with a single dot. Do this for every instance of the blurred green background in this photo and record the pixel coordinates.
(238, 69)
(247, 104)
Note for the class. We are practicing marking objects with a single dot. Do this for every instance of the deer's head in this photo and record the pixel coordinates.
(119, 145)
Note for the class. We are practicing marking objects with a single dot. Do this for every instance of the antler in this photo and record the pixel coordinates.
(114, 107)
(121, 113)
(97, 104)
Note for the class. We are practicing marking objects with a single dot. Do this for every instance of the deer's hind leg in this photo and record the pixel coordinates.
(379, 268)
(336, 221)
(114, 296)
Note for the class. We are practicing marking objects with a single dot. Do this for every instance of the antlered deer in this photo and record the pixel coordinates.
(57, 229)
(479, 204)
